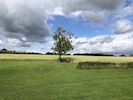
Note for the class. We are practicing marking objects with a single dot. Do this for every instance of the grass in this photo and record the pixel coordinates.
(27, 57)
(49, 80)
(76, 58)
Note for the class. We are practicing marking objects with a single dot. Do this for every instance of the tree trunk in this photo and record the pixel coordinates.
(59, 58)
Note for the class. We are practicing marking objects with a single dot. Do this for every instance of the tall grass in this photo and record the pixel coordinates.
(75, 58)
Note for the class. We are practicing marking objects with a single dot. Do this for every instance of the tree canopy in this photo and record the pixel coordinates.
(62, 41)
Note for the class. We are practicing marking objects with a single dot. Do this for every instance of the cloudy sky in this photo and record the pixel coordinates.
(102, 26)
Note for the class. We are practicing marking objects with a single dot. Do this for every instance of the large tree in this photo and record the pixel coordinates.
(62, 42)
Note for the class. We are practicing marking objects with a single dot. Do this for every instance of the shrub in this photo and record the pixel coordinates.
(122, 55)
(103, 65)
(130, 65)
(68, 60)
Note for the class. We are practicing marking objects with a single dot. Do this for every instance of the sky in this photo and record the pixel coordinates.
(101, 26)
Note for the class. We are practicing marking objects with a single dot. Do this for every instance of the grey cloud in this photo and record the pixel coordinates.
(107, 39)
(92, 9)
(101, 40)
(126, 50)
(24, 20)
(24, 45)
(95, 40)
(76, 5)
(107, 4)
(94, 17)
(124, 31)
(29, 18)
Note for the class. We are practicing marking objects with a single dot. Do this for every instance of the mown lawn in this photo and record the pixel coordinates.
(49, 80)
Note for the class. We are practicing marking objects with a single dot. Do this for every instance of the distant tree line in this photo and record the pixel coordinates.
(89, 54)
(5, 51)
(122, 55)
(82, 54)
(131, 55)
(92, 54)
(51, 53)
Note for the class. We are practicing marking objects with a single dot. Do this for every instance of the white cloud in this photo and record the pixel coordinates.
(10, 42)
(58, 11)
(16, 44)
(124, 12)
(75, 14)
(123, 26)
(113, 44)
(1, 42)
(35, 51)
(128, 10)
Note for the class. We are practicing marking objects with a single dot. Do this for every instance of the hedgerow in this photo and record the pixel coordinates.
(103, 65)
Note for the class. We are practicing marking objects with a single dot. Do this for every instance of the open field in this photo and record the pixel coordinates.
(76, 58)
(49, 80)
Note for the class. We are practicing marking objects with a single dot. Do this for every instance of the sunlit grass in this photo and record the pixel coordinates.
(41, 77)
(42, 80)
(76, 58)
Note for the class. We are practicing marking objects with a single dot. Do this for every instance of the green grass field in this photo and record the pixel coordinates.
(39, 77)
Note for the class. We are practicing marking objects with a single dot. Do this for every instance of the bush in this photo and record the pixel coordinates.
(130, 64)
(122, 55)
(103, 65)
(131, 55)
(68, 60)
